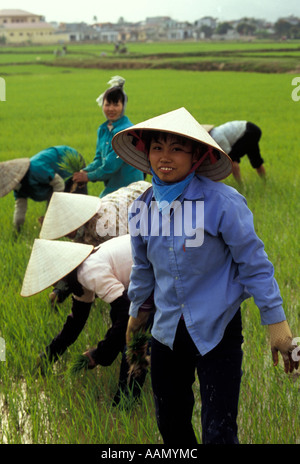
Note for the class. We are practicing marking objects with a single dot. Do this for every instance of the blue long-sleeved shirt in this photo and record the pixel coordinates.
(42, 169)
(209, 263)
(107, 166)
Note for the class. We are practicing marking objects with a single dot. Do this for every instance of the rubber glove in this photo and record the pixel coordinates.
(135, 324)
(281, 340)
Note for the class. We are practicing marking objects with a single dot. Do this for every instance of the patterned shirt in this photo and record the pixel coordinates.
(112, 217)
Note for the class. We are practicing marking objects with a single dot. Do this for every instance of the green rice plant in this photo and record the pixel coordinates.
(67, 409)
(137, 352)
(71, 163)
(80, 363)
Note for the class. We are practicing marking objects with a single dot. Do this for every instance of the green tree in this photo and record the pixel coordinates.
(246, 28)
(295, 32)
(207, 30)
(282, 28)
(223, 28)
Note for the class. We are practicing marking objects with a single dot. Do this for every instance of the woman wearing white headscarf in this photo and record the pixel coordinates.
(107, 166)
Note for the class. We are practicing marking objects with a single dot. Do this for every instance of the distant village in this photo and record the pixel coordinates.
(22, 27)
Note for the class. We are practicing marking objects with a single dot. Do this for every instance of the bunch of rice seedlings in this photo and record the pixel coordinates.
(137, 353)
(71, 163)
(80, 362)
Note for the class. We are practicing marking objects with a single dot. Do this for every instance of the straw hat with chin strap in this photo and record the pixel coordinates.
(67, 212)
(129, 144)
(50, 261)
(11, 174)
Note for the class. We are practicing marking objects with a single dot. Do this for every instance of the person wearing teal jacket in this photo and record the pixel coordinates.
(107, 167)
(43, 177)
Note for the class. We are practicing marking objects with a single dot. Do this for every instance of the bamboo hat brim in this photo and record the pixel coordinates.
(67, 212)
(179, 122)
(208, 127)
(50, 261)
(11, 173)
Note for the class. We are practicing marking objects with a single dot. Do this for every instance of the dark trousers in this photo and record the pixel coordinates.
(107, 349)
(219, 373)
(71, 330)
(248, 145)
(115, 338)
(114, 343)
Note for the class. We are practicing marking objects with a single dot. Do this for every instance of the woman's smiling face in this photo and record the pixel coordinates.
(112, 110)
(170, 158)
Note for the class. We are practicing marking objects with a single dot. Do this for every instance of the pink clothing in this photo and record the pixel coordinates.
(107, 270)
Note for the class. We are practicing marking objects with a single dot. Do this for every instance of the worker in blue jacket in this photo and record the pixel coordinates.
(107, 167)
(43, 177)
(194, 247)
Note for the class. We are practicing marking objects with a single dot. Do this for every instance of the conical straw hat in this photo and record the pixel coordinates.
(179, 122)
(50, 261)
(11, 173)
(208, 127)
(67, 212)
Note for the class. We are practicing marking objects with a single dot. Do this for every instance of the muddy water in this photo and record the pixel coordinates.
(16, 425)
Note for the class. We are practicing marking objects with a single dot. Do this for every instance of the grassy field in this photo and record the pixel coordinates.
(257, 56)
(51, 105)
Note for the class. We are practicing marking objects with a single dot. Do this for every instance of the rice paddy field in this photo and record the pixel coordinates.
(51, 101)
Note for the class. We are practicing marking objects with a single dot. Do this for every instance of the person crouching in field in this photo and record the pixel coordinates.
(101, 272)
(194, 246)
(38, 177)
(89, 220)
(237, 139)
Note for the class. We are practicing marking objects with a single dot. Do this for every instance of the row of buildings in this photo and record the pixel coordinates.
(18, 26)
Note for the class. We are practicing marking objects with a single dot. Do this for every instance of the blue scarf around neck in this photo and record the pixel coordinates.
(168, 191)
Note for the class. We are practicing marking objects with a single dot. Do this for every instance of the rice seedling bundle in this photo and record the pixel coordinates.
(137, 353)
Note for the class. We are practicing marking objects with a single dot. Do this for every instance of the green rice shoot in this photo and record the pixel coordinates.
(56, 409)
(71, 163)
(79, 364)
(136, 352)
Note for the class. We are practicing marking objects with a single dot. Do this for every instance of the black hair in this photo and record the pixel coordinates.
(146, 136)
(71, 283)
(114, 95)
(149, 135)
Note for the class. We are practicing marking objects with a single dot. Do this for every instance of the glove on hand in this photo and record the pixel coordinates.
(135, 324)
(137, 343)
(281, 340)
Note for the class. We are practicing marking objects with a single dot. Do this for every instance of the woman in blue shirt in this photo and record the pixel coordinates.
(106, 166)
(44, 176)
(194, 246)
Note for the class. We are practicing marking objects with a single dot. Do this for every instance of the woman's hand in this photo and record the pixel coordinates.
(281, 340)
(80, 176)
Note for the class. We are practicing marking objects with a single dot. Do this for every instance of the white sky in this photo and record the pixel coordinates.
(138, 10)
